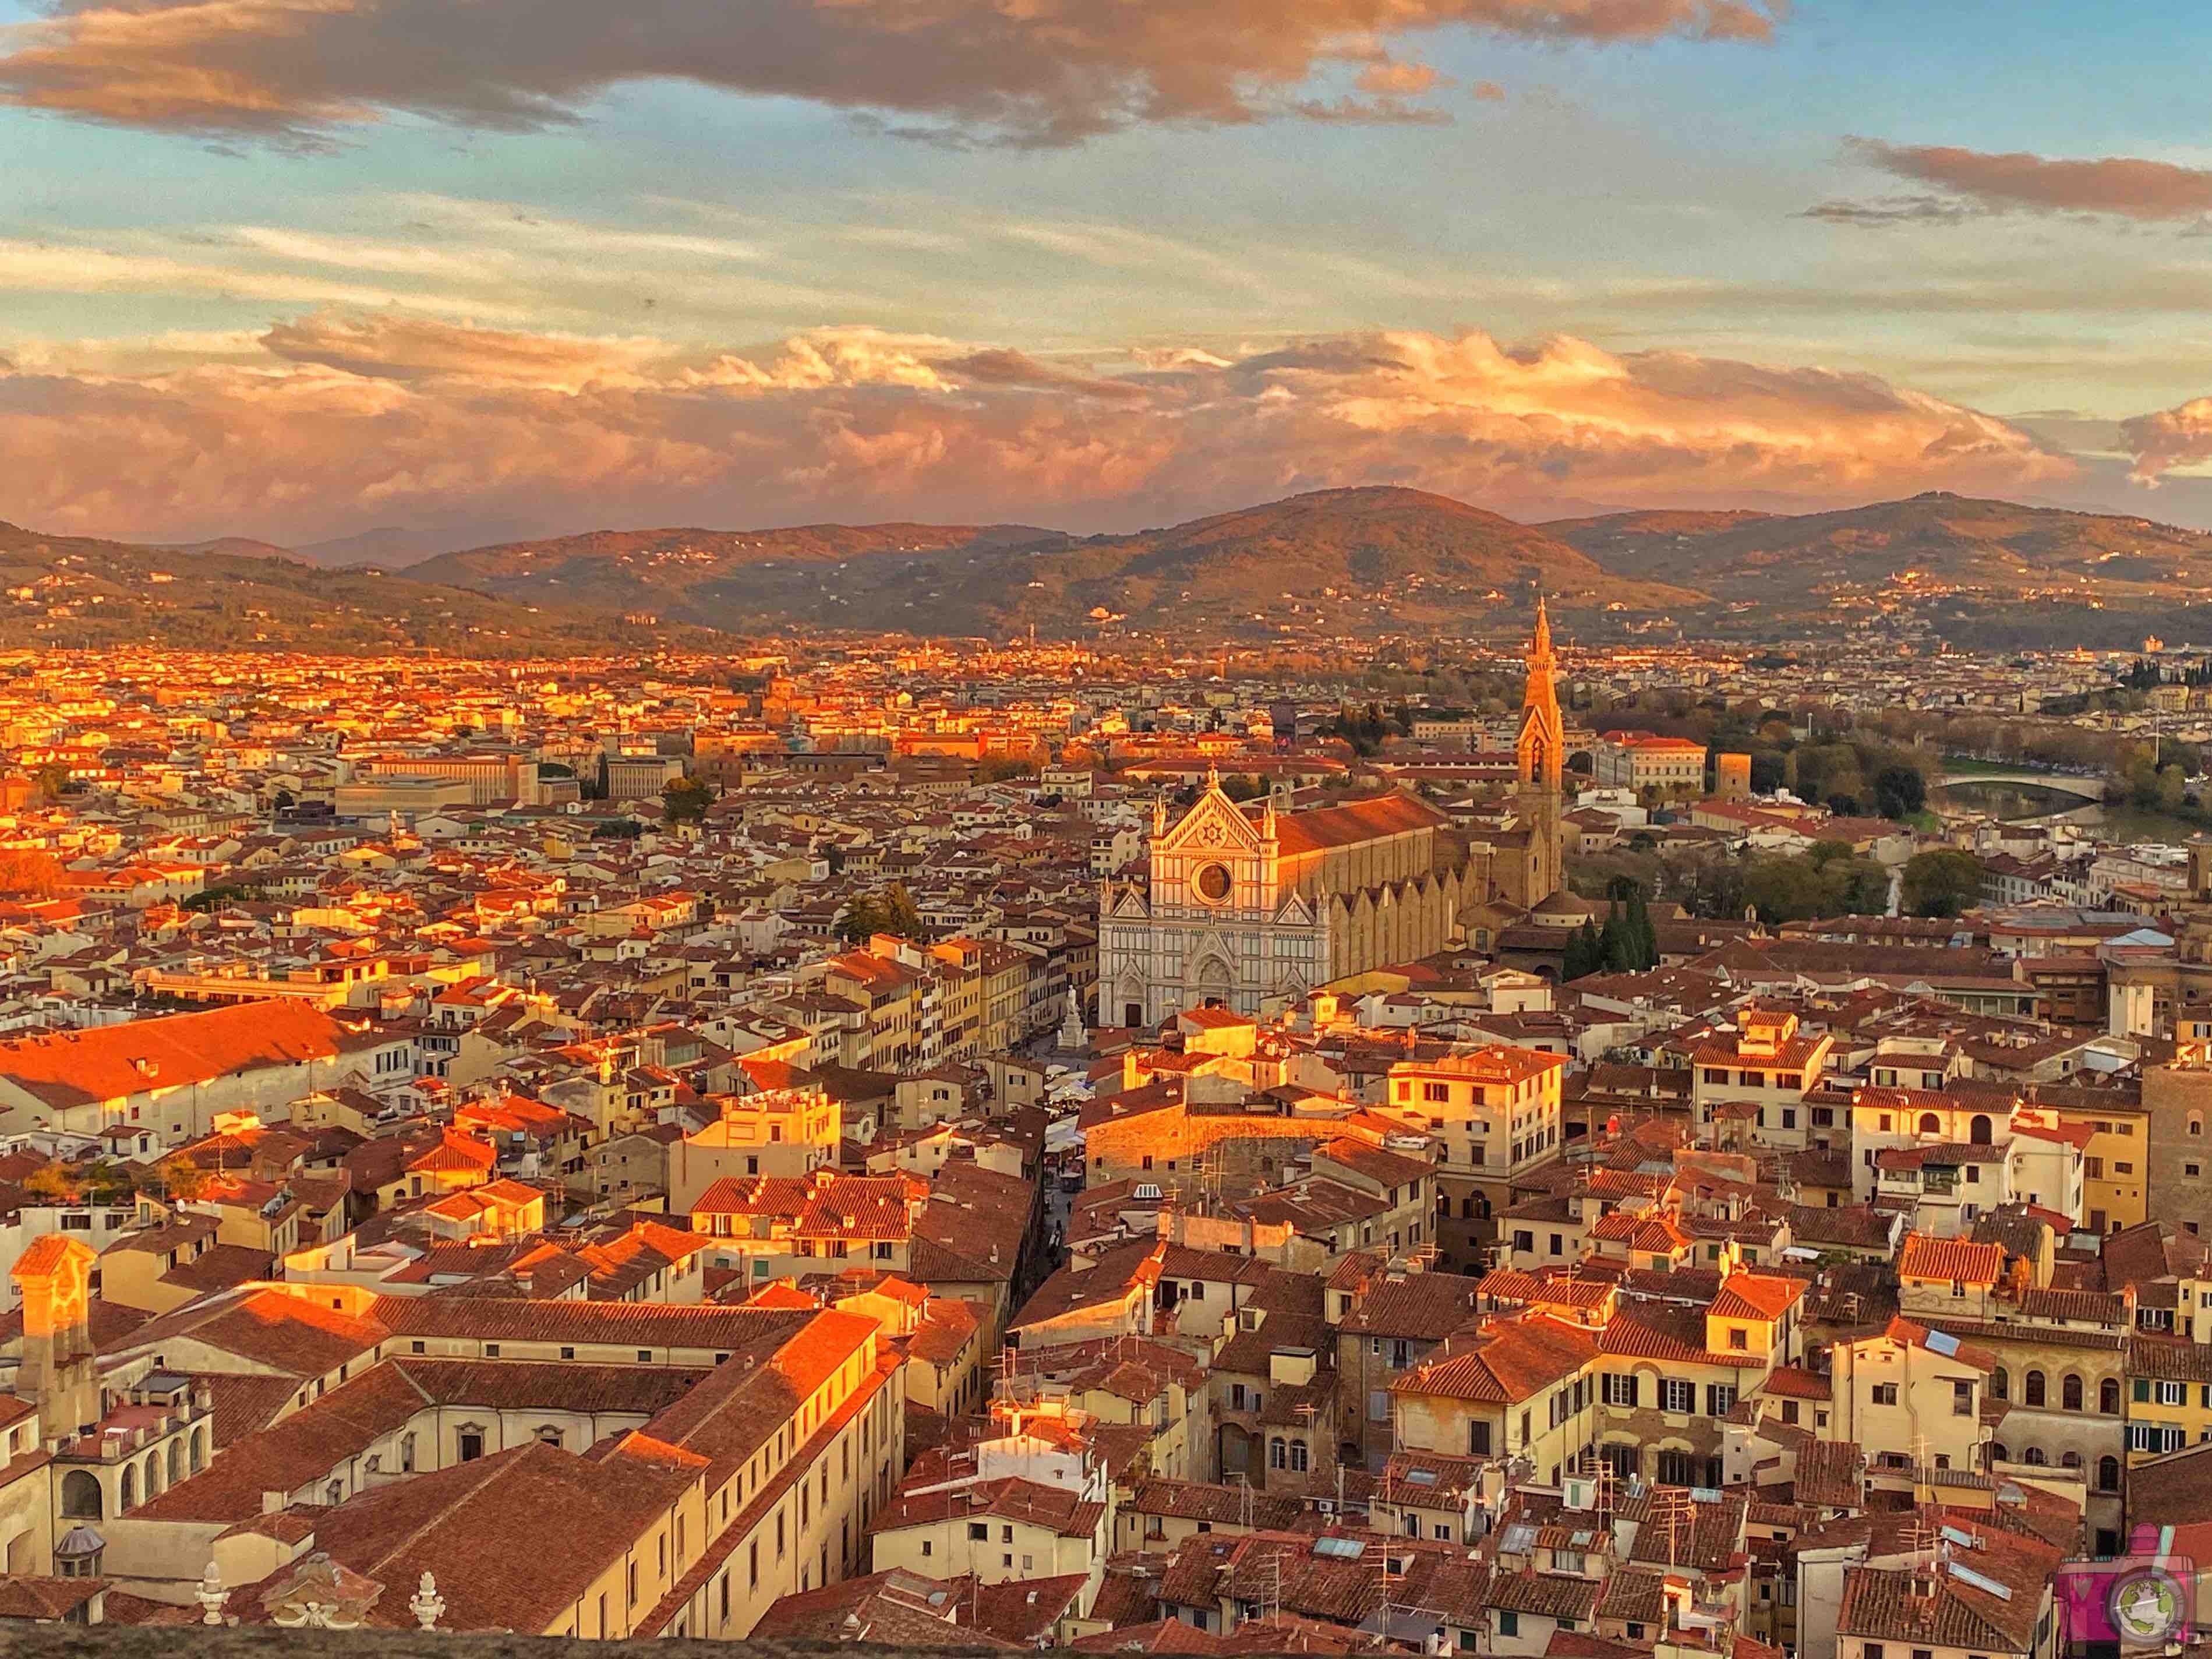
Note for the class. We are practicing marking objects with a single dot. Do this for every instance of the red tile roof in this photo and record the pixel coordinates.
(1949, 1259)
(113, 1062)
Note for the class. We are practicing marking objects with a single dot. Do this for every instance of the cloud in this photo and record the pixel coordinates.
(1895, 210)
(1047, 72)
(344, 421)
(2180, 436)
(1971, 181)
(1399, 80)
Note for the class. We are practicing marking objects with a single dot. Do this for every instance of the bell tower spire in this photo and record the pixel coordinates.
(1543, 733)
(1539, 804)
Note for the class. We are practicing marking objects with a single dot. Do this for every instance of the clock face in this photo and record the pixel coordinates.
(2147, 1606)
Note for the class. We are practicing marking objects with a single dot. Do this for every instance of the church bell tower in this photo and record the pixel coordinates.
(1542, 751)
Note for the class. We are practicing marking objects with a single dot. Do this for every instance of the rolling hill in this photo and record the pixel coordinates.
(714, 578)
(1318, 565)
(1386, 555)
(1932, 546)
(75, 591)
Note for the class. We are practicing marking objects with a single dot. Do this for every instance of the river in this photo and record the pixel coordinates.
(2013, 803)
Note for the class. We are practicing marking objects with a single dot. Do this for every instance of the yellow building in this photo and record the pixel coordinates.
(1496, 1112)
(1516, 1387)
(2169, 1395)
(2116, 1164)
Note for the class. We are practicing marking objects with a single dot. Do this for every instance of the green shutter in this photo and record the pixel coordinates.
(2142, 1388)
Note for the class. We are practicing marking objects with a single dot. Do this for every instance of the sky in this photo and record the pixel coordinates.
(297, 269)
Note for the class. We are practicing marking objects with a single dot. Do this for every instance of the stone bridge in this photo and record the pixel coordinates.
(2088, 790)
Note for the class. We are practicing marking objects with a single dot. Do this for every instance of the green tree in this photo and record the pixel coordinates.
(181, 1178)
(1585, 952)
(1900, 790)
(1945, 882)
(686, 800)
(901, 915)
(1642, 939)
(1781, 888)
(1612, 942)
(863, 919)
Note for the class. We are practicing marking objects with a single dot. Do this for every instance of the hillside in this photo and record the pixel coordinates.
(1375, 556)
(716, 578)
(61, 591)
(387, 550)
(1402, 556)
(1933, 547)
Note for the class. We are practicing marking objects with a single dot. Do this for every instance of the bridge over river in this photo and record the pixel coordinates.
(2088, 790)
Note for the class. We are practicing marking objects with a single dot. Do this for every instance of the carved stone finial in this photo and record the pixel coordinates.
(426, 1604)
(211, 1594)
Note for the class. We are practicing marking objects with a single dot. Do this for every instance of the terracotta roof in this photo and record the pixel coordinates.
(1756, 1296)
(1503, 1363)
(1955, 1260)
(1319, 828)
(113, 1062)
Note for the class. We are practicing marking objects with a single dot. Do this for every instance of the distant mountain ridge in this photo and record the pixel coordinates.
(78, 592)
(1320, 564)
(1964, 543)
(1404, 553)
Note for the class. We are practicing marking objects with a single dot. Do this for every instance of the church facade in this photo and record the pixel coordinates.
(1249, 910)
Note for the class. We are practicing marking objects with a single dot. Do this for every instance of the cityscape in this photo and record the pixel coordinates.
(1330, 829)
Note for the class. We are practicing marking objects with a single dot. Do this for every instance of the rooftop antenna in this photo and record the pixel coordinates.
(1671, 1505)
(1920, 1541)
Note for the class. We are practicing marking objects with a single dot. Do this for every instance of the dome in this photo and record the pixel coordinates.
(78, 1542)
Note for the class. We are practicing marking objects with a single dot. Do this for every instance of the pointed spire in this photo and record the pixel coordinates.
(1160, 813)
(1539, 649)
(1212, 775)
(1267, 818)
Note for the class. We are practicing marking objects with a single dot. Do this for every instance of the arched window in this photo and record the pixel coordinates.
(2035, 1391)
(550, 1434)
(1298, 1456)
(2070, 1392)
(80, 1497)
(126, 1492)
(334, 1493)
(2033, 1456)
(2000, 1384)
(1997, 1452)
(2069, 1459)
(2108, 1474)
(152, 1475)
(1279, 1453)
(2197, 1123)
(2108, 1396)
(1978, 1132)
(1930, 1124)
(176, 1460)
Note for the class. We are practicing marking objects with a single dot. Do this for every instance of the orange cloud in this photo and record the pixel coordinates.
(1399, 80)
(2180, 436)
(1054, 71)
(2123, 186)
(346, 421)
